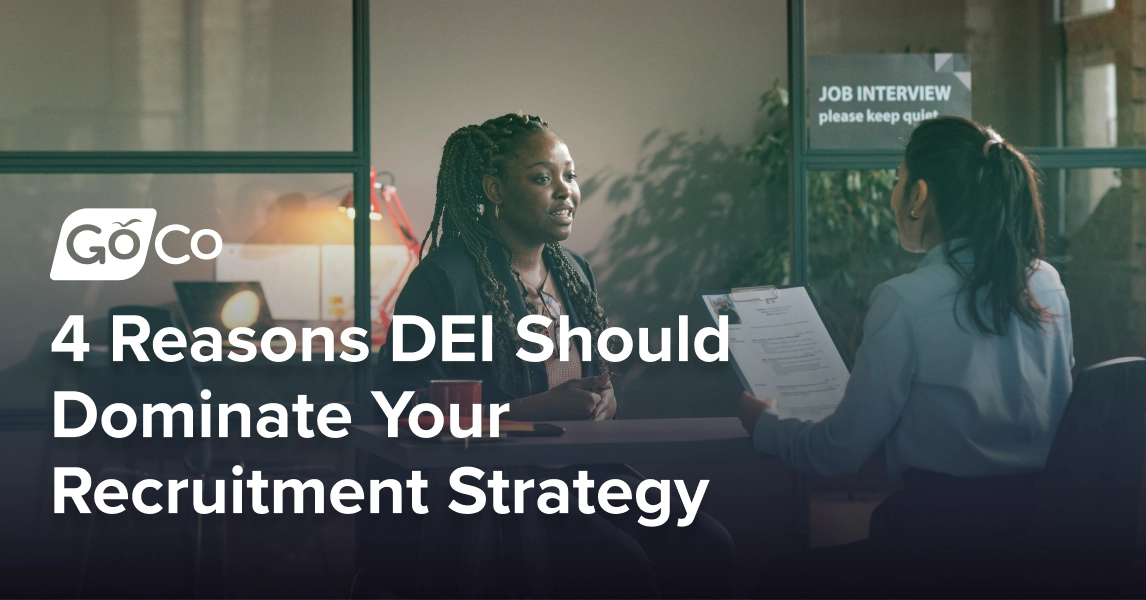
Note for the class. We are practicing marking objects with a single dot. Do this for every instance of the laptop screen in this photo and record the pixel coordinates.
(224, 305)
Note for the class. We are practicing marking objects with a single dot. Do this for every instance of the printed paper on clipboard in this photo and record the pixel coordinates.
(782, 349)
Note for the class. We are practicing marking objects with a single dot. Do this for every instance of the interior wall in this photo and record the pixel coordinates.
(604, 74)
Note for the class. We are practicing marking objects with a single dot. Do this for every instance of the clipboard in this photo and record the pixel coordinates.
(765, 293)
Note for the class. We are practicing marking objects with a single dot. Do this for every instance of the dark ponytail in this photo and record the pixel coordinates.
(986, 196)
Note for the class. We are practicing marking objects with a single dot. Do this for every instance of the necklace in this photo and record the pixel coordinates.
(526, 288)
(547, 305)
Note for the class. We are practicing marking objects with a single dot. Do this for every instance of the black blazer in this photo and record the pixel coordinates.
(446, 283)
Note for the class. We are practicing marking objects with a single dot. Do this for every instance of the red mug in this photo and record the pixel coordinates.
(446, 392)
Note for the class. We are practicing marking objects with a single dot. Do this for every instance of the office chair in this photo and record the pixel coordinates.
(1086, 511)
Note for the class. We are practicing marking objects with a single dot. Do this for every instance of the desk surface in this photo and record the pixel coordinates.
(584, 442)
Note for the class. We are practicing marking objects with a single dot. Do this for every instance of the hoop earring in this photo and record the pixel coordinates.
(911, 215)
(497, 211)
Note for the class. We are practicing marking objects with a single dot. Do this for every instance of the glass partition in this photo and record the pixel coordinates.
(1044, 72)
(249, 75)
(1101, 255)
(289, 233)
(853, 245)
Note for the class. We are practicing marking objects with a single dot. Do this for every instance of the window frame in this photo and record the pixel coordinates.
(355, 162)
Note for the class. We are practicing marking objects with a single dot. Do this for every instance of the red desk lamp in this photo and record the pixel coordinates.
(387, 196)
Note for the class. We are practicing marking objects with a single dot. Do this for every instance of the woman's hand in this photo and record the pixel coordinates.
(751, 408)
(574, 400)
(584, 398)
(607, 409)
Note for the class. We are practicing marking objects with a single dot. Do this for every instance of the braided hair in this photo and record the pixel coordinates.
(470, 154)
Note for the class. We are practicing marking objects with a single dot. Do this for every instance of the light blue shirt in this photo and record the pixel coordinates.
(940, 395)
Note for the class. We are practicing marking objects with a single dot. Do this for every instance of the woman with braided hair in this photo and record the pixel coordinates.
(507, 197)
(493, 247)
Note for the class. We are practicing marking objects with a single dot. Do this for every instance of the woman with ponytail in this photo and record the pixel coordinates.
(507, 197)
(961, 379)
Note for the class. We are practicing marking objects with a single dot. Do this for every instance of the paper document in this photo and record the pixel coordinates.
(783, 350)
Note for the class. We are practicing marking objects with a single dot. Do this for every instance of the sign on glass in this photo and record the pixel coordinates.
(872, 101)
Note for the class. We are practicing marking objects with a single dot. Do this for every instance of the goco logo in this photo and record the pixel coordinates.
(110, 244)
